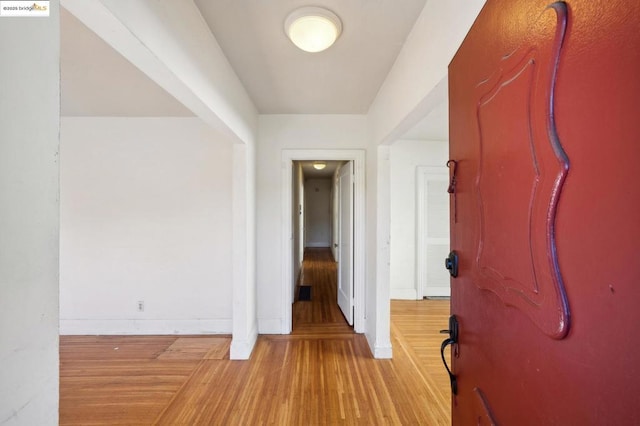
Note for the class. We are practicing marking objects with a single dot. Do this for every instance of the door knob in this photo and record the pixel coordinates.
(451, 263)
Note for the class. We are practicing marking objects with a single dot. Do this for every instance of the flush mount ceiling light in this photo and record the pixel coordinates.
(312, 29)
(319, 166)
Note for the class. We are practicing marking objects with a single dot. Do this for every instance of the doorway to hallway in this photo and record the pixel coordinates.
(323, 218)
(290, 243)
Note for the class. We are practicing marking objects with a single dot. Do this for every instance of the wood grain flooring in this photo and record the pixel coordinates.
(321, 374)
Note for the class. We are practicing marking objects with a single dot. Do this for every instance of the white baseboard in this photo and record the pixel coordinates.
(241, 349)
(379, 351)
(404, 294)
(146, 326)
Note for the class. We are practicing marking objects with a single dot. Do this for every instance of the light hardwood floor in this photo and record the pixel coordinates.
(321, 374)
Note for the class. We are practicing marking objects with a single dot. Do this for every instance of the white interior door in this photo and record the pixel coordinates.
(432, 243)
(345, 260)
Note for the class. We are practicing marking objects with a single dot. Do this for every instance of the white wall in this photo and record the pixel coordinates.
(29, 221)
(405, 156)
(278, 132)
(317, 194)
(145, 216)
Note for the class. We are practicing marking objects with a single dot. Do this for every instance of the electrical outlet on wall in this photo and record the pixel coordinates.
(140, 305)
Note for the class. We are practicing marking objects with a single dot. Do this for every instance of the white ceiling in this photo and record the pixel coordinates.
(278, 77)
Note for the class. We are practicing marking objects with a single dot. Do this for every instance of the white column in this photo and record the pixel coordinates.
(383, 273)
(29, 219)
(245, 331)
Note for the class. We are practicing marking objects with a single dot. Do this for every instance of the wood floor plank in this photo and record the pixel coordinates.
(321, 374)
(119, 391)
(197, 348)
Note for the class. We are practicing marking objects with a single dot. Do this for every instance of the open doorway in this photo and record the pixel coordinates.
(323, 227)
(314, 208)
(294, 234)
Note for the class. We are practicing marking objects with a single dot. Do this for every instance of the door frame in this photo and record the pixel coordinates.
(288, 280)
(423, 175)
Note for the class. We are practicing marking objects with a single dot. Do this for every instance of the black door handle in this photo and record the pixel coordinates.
(451, 263)
(452, 340)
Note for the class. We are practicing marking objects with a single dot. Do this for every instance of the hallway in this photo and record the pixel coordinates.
(319, 272)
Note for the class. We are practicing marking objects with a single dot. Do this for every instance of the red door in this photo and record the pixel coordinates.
(545, 214)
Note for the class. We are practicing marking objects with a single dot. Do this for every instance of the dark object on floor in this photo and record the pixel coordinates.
(304, 293)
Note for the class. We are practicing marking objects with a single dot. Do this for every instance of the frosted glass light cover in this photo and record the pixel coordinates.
(313, 29)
